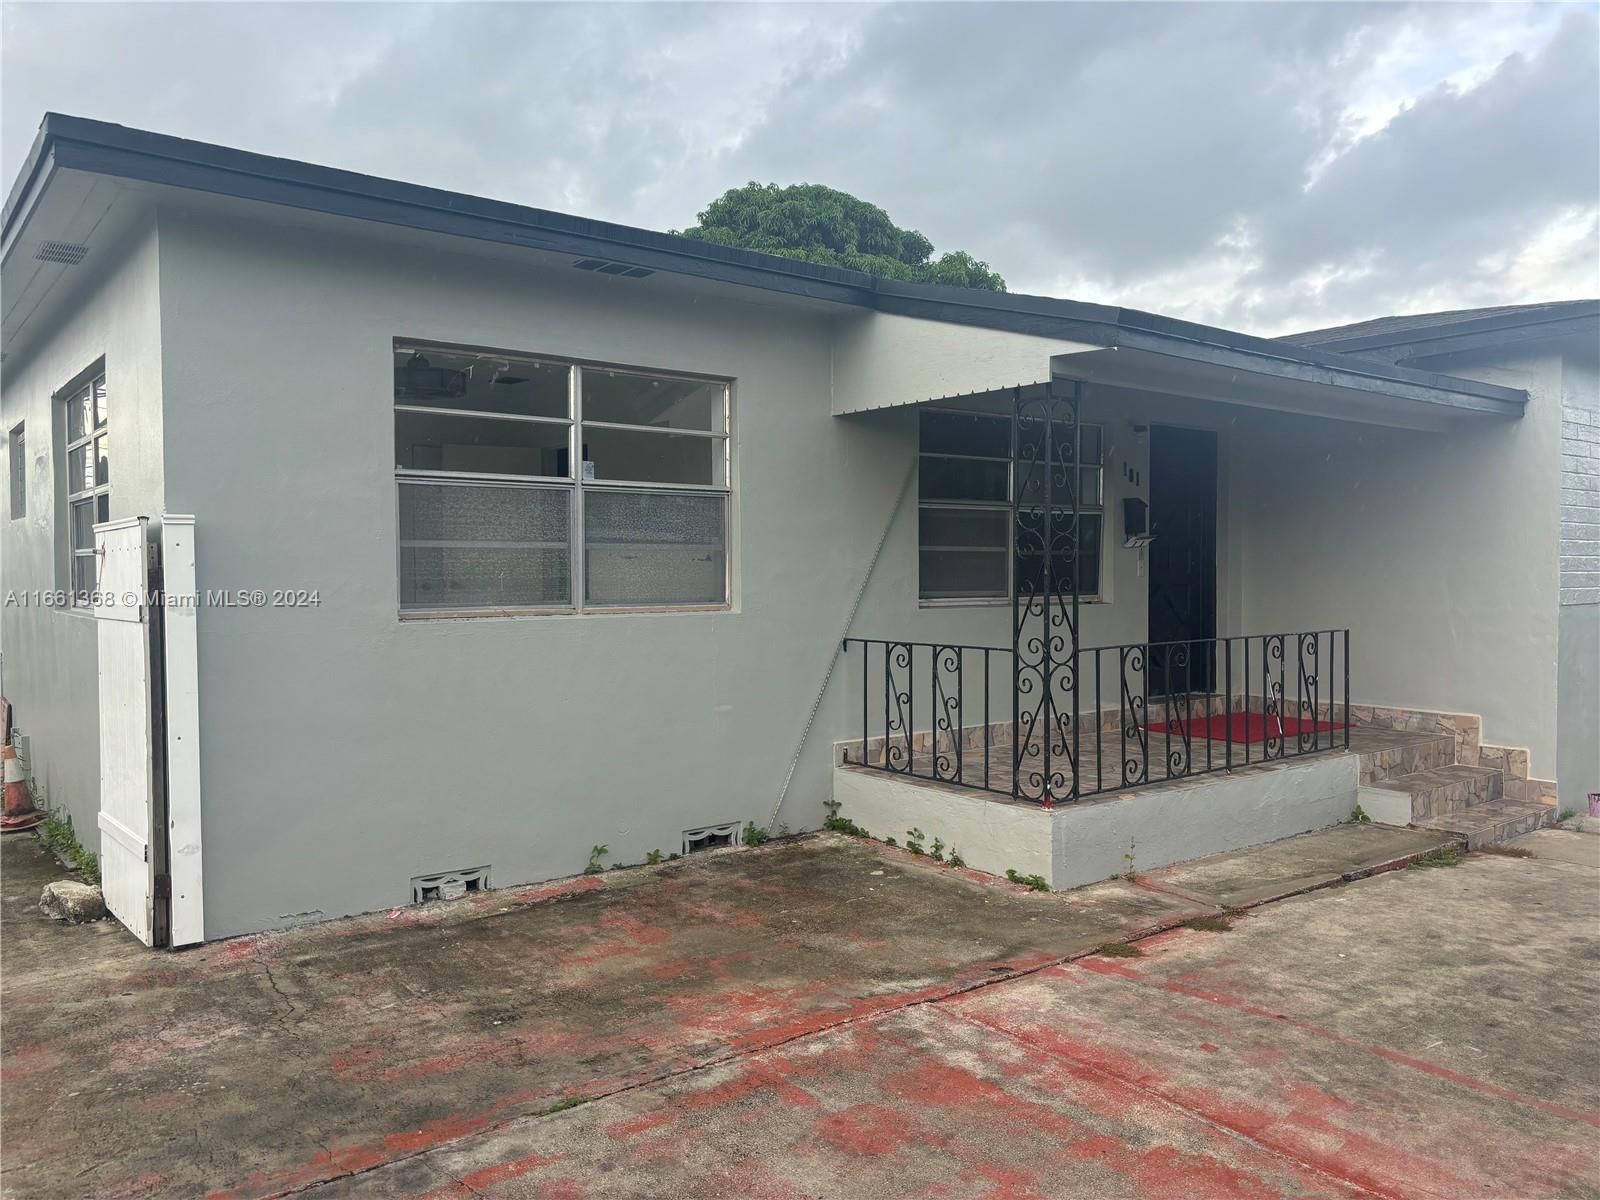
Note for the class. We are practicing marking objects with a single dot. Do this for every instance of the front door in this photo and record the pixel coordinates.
(1183, 560)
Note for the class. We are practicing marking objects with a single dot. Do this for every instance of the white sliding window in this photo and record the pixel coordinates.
(509, 465)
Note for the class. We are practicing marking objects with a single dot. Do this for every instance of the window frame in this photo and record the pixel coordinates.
(1008, 552)
(573, 481)
(99, 427)
(17, 449)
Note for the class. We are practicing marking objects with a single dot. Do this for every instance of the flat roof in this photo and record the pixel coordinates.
(98, 147)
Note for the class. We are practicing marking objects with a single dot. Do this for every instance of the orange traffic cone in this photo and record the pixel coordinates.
(19, 810)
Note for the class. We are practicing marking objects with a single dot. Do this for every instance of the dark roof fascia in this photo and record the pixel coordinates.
(96, 146)
(1466, 326)
(99, 147)
(1120, 327)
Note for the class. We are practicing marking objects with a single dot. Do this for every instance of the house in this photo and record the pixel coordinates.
(368, 542)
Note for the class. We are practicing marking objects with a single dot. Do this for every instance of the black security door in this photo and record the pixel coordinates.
(1183, 559)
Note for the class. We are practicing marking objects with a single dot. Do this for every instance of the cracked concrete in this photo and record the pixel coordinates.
(829, 1017)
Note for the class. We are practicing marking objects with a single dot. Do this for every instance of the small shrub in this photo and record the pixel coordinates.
(55, 834)
(955, 859)
(936, 851)
(1358, 815)
(653, 857)
(1036, 882)
(754, 835)
(597, 856)
(914, 841)
(837, 824)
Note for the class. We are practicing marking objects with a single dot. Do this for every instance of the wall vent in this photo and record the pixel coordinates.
(710, 837)
(68, 253)
(601, 267)
(449, 885)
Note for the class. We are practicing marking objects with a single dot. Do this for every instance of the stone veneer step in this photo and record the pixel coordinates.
(1487, 824)
(1386, 754)
(1438, 791)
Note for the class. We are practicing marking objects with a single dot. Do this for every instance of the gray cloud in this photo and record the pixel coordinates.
(1269, 166)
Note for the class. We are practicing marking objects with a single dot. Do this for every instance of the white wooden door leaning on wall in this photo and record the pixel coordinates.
(149, 820)
(127, 752)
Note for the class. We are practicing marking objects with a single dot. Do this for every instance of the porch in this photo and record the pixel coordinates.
(1165, 502)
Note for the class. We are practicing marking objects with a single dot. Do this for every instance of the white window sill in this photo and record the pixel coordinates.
(523, 614)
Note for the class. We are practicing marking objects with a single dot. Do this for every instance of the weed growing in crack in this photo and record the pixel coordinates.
(597, 856)
(1119, 950)
(837, 824)
(1444, 856)
(1218, 924)
(1036, 882)
(754, 835)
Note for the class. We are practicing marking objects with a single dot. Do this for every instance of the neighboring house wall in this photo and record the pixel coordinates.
(51, 656)
(1437, 549)
(1578, 678)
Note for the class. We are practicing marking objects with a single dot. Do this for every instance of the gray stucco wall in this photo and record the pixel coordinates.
(343, 750)
(1438, 550)
(1578, 677)
(50, 653)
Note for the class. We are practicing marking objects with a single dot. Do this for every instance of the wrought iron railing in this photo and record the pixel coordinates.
(1121, 716)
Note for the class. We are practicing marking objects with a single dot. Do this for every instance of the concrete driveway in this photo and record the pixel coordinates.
(828, 1017)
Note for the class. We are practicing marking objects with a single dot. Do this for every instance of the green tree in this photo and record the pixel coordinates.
(821, 225)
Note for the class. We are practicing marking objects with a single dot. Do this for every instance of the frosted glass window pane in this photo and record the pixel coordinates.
(480, 445)
(643, 456)
(463, 547)
(646, 400)
(480, 382)
(648, 548)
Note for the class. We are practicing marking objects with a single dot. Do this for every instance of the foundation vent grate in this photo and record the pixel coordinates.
(449, 885)
(710, 837)
(69, 253)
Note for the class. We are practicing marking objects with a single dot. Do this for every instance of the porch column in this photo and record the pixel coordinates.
(1045, 458)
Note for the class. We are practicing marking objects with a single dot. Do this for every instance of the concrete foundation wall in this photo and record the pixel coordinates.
(1082, 843)
(989, 835)
(50, 652)
(1171, 824)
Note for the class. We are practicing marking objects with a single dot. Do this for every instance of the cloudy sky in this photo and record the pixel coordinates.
(1268, 166)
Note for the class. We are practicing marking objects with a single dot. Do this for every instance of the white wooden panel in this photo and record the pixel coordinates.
(183, 728)
(126, 754)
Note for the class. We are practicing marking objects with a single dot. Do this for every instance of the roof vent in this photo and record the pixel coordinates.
(601, 267)
(68, 253)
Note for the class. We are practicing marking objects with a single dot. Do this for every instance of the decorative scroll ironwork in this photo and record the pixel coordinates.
(899, 750)
(1133, 743)
(948, 732)
(1045, 469)
(1307, 736)
(1272, 742)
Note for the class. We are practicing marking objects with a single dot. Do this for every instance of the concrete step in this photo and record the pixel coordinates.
(1492, 823)
(1388, 754)
(1438, 791)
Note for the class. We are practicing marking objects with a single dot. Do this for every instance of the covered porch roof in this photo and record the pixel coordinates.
(890, 359)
